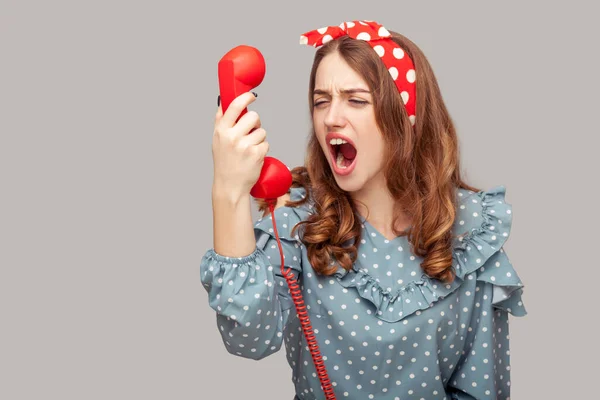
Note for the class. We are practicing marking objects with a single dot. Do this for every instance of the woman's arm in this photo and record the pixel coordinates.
(249, 294)
(233, 232)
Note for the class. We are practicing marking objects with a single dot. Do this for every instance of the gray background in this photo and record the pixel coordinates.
(106, 112)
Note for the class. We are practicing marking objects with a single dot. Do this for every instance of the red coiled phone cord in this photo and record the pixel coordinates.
(296, 294)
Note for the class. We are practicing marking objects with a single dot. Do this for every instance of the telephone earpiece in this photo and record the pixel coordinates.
(240, 70)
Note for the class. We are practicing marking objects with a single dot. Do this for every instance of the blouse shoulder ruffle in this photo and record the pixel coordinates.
(485, 219)
(286, 217)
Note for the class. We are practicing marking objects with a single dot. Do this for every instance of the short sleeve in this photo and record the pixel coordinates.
(249, 294)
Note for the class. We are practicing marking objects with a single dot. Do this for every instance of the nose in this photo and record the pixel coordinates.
(335, 115)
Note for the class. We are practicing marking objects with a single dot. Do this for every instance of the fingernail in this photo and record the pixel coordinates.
(255, 94)
(218, 100)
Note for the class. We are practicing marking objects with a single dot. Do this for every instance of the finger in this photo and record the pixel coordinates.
(262, 149)
(235, 108)
(265, 148)
(257, 137)
(248, 121)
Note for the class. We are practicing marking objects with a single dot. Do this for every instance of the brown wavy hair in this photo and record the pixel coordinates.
(422, 167)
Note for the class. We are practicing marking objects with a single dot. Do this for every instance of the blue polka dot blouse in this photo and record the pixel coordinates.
(385, 329)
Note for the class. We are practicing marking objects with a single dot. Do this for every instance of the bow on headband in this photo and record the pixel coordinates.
(398, 63)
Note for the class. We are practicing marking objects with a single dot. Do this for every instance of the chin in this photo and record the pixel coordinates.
(349, 184)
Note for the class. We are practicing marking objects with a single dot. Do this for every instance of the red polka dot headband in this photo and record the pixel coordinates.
(398, 63)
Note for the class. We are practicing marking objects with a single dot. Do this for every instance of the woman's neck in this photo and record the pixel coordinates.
(376, 205)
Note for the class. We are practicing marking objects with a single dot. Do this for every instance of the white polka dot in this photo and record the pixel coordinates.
(303, 39)
(350, 24)
(393, 73)
(327, 38)
(398, 53)
(383, 32)
(404, 95)
(412, 119)
(379, 50)
(363, 36)
(322, 30)
(410, 75)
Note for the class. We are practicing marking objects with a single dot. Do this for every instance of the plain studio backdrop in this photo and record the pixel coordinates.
(106, 117)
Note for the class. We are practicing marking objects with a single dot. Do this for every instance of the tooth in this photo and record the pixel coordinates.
(335, 141)
(340, 159)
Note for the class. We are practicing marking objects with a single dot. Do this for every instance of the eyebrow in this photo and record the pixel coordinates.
(344, 91)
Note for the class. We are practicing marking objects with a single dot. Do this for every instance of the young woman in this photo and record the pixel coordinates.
(400, 261)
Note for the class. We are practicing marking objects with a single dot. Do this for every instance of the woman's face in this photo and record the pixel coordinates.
(351, 117)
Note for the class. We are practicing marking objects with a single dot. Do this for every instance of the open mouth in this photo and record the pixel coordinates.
(343, 152)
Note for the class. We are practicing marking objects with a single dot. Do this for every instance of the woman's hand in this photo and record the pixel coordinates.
(238, 156)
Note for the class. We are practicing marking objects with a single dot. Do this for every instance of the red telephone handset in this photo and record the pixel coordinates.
(240, 70)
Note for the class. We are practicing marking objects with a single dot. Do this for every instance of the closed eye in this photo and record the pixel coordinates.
(352, 101)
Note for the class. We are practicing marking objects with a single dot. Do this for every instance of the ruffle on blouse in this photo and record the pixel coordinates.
(478, 254)
(286, 217)
(479, 250)
(226, 278)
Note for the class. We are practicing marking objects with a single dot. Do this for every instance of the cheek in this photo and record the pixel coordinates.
(374, 149)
